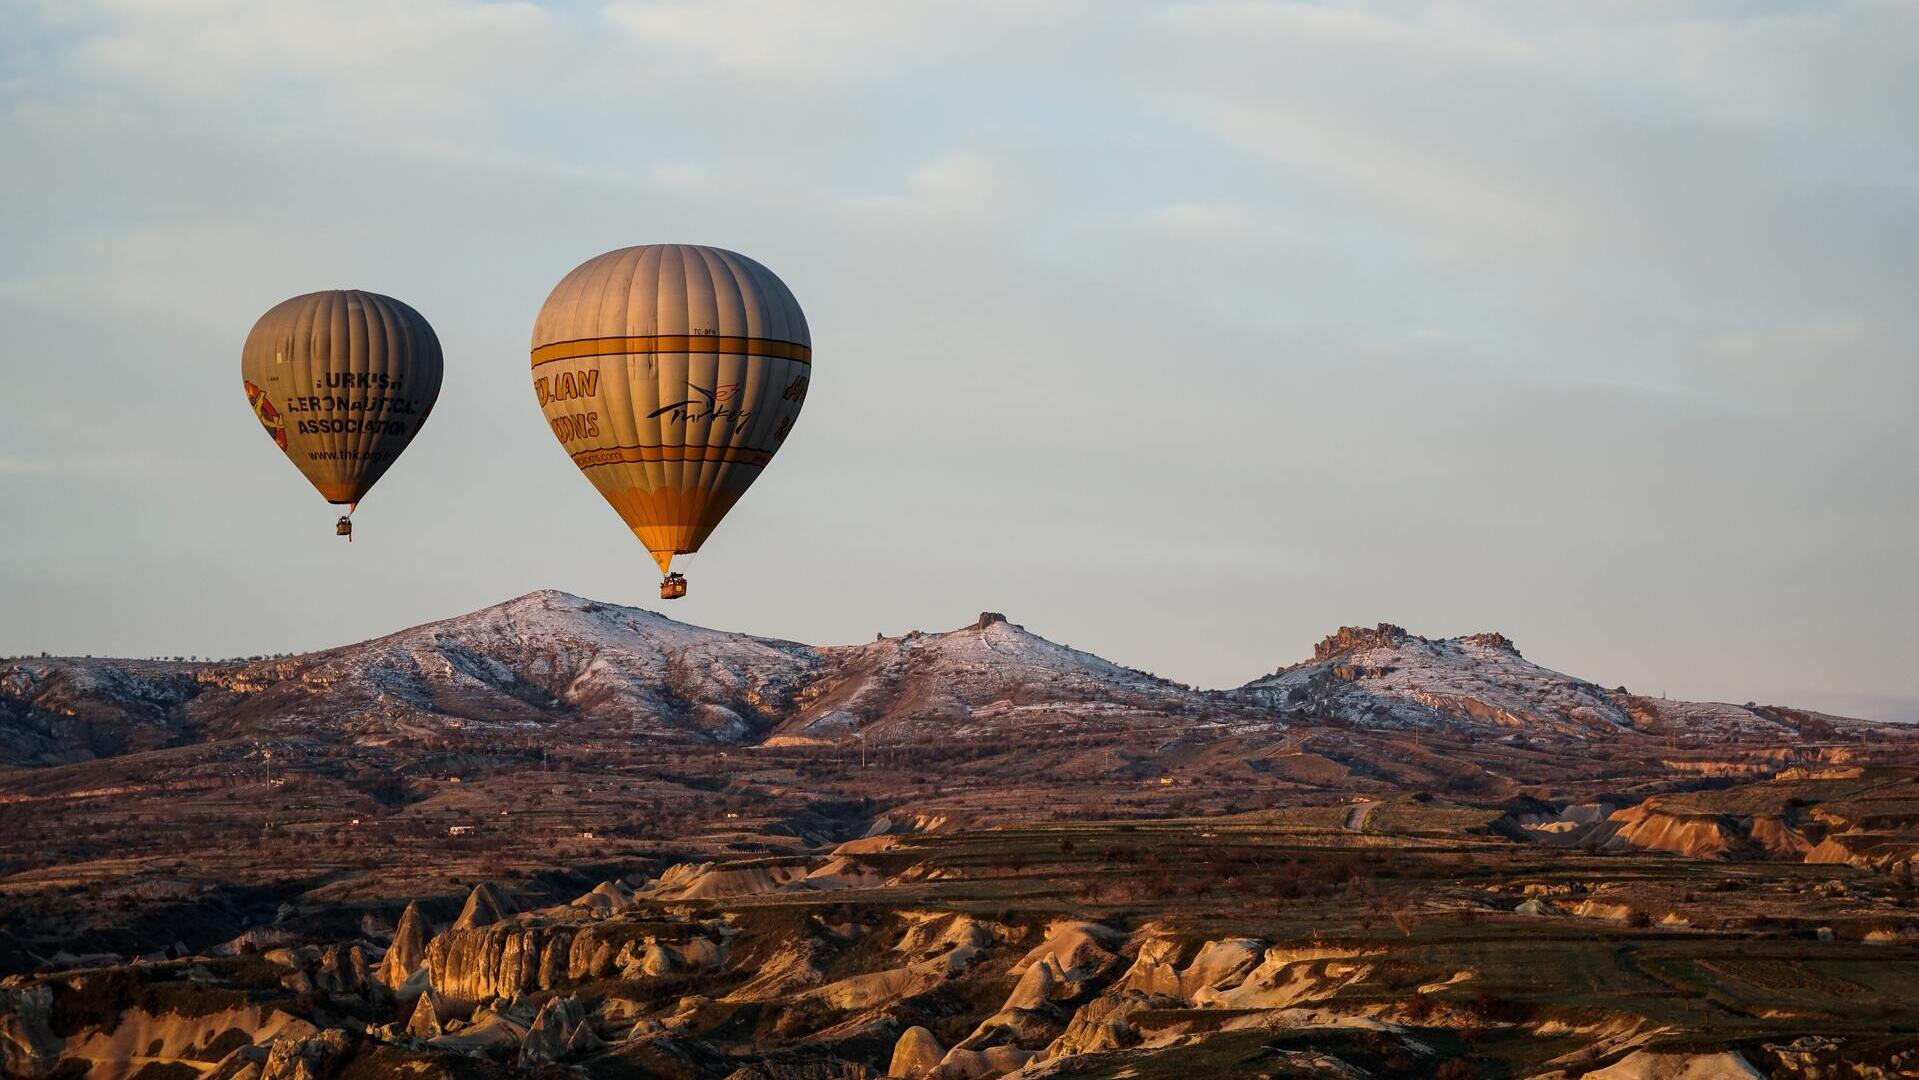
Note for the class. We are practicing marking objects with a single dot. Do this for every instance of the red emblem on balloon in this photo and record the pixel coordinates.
(268, 416)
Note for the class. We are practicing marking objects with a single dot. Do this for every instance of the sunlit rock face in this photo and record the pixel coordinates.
(407, 951)
(502, 960)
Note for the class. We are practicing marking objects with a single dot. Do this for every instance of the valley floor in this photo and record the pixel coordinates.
(1399, 937)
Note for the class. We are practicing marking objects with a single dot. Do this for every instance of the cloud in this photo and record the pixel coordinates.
(770, 39)
(393, 55)
(1575, 179)
(959, 187)
(1214, 222)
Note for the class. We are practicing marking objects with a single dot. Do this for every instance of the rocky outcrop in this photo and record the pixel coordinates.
(1818, 1057)
(1650, 1065)
(469, 967)
(1060, 968)
(1832, 851)
(138, 1034)
(1892, 935)
(963, 1064)
(497, 1030)
(1219, 965)
(1076, 950)
(1241, 975)
(602, 951)
(407, 952)
(1868, 851)
(295, 1058)
(1289, 976)
(257, 940)
(483, 908)
(28, 1045)
(55, 711)
(1700, 836)
(701, 881)
(916, 1054)
(607, 898)
(1385, 678)
(1778, 839)
(1348, 638)
(424, 1023)
(1105, 1023)
(933, 950)
(330, 969)
(1026, 1022)
(559, 1031)
(1602, 909)
(1492, 640)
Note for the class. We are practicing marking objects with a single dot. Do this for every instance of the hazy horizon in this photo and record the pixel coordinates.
(1182, 334)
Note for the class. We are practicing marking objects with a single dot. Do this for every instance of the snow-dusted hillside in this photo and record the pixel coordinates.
(554, 665)
(1385, 678)
(1388, 678)
(543, 658)
(61, 710)
(992, 671)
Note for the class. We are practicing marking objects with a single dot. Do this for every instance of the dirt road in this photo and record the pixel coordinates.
(1357, 815)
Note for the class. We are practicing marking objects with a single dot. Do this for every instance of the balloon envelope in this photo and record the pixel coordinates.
(671, 373)
(342, 381)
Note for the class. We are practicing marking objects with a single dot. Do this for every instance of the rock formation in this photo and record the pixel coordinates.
(407, 952)
(483, 908)
(916, 1054)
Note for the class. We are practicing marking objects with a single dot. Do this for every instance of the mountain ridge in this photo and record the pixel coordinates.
(547, 658)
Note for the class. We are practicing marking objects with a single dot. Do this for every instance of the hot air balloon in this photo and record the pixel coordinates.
(671, 373)
(342, 381)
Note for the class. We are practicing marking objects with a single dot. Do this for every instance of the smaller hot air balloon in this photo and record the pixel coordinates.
(342, 381)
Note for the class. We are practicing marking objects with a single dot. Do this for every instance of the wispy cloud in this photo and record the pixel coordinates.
(961, 187)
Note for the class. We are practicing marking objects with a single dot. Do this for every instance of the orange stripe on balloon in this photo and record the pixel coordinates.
(672, 343)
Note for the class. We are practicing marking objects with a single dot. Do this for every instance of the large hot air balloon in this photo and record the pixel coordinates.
(342, 380)
(671, 373)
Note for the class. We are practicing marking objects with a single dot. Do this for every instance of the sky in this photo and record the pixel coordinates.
(1181, 333)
